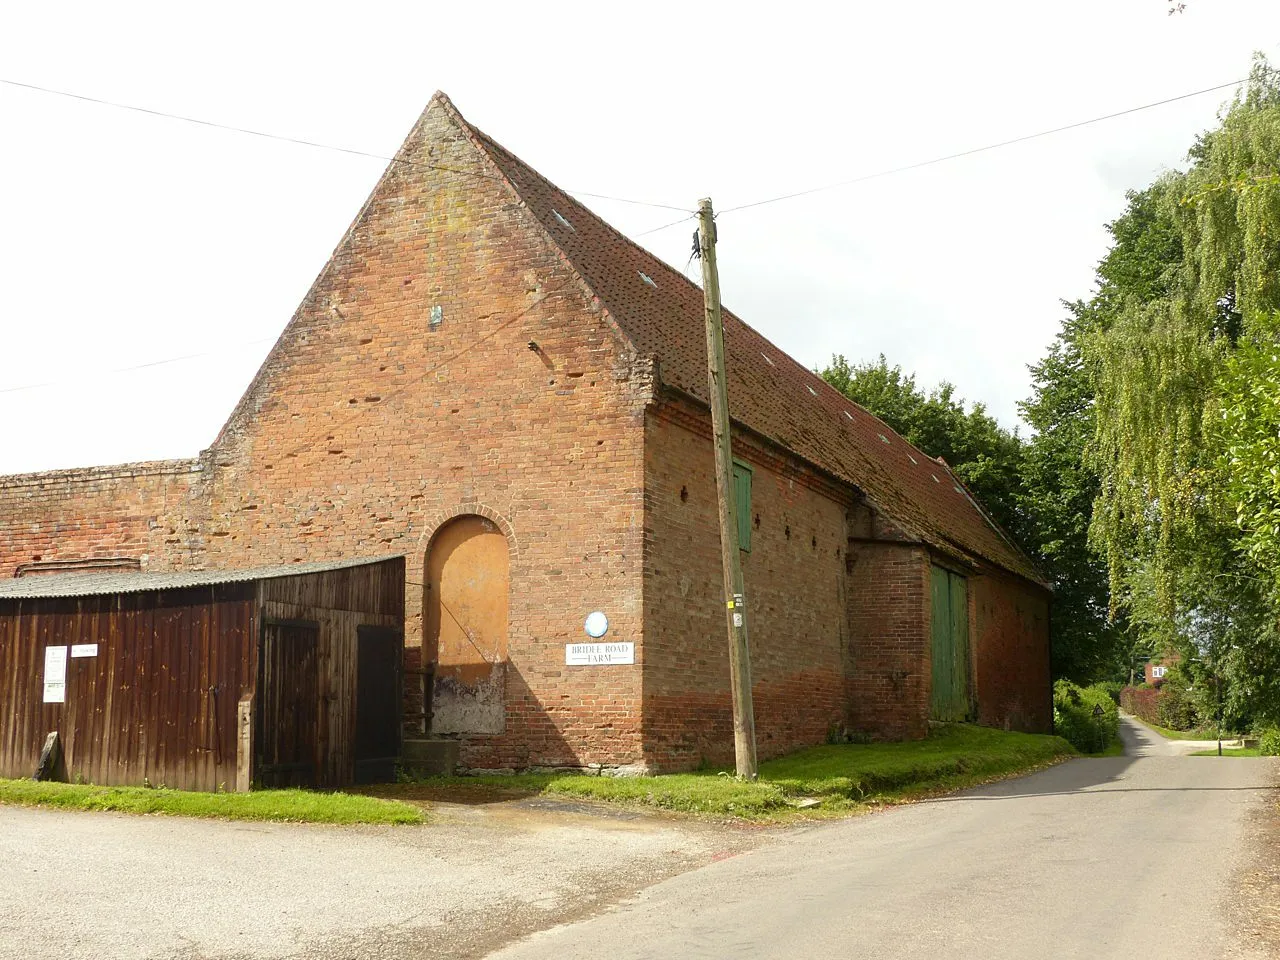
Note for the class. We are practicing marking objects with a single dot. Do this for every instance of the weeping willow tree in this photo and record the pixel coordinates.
(1177, 365)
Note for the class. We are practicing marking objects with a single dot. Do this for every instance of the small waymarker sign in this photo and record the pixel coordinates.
(598, 654)
(84, 650)
(55, 674)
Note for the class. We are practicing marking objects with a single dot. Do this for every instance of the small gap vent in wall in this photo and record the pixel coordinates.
(563, 222)
(647, 279)
(437, 317)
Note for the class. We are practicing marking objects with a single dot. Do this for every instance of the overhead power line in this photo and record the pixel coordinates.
(973, 150)
(229, 348)
(299, 141)
(143, 366)
(746, 206)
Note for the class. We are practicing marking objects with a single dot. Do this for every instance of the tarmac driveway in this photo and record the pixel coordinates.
(127, 888)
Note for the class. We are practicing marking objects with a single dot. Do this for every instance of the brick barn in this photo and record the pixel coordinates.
(488, 379)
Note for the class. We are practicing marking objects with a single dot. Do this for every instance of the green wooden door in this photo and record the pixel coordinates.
(950, 634)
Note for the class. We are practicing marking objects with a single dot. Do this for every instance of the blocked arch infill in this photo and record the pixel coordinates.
(469, 691)
(439, 519)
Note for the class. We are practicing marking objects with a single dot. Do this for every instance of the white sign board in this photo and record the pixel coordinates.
(84, 650)
(598, 654)
(55, 674)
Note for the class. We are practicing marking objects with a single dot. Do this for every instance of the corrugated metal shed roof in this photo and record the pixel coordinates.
(96, 584)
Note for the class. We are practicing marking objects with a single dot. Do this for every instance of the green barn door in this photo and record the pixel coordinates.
(950, 631)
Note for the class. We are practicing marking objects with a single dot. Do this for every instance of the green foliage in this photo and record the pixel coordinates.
(1182, 355)
(986, 456)
(842, 776)
(1176, 706)
(1086, 717)
(1169, 331)
(293, 806)
(1248, 443)
(1111, 688)
(1269, 742)
(1058, 491)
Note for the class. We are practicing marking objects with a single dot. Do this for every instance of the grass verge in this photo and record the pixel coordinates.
(1230, 752)
(1170, 734)
(1114, 749)
(843, 777)
(289, 806)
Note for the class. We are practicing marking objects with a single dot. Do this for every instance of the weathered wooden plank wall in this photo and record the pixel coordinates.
(158, 702)
(340, 601)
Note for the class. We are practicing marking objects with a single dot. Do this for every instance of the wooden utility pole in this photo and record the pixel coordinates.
(744, 721)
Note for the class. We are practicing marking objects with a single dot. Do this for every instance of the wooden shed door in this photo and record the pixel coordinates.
(288, 727)
(378, 703)
(950, 647)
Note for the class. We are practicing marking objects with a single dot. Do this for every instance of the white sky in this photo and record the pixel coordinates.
(128, 238)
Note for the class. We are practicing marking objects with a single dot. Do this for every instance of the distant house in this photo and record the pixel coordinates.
(493, 382)
(1158, 667)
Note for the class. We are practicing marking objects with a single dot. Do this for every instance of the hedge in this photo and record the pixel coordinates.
(1142, 702)
(1167, 706)
(1269, 742)
(1085, 716)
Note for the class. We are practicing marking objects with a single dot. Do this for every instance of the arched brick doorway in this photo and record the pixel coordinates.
(465, 625)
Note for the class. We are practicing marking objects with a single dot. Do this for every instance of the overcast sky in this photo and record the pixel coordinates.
(129, 239)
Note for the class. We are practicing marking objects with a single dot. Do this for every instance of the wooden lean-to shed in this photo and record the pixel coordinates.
(206, 680)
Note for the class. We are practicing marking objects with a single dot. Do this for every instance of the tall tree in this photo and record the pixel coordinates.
(1058, 490)
(1170, 364)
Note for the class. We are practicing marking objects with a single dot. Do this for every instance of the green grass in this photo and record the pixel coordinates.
(292, 806)
(1170, 734)
(1114, 749)
(844, 777)
(1229, 752)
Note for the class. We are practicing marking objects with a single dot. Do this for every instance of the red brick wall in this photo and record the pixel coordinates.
(367, 428)
(370, 429)
(889, 612)
(793, 577)
(132, 510)
(1011, 653)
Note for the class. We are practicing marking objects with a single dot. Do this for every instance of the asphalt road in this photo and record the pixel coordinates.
(1131, 857)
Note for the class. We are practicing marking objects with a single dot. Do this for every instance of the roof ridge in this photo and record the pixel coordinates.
(582, 206)
(776, 401)
(483, 144)
(680, 275)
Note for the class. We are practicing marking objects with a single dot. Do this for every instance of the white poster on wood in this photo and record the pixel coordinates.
(55, 674)
(84, 650)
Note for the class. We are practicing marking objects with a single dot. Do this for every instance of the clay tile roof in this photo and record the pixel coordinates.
(769, 392)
